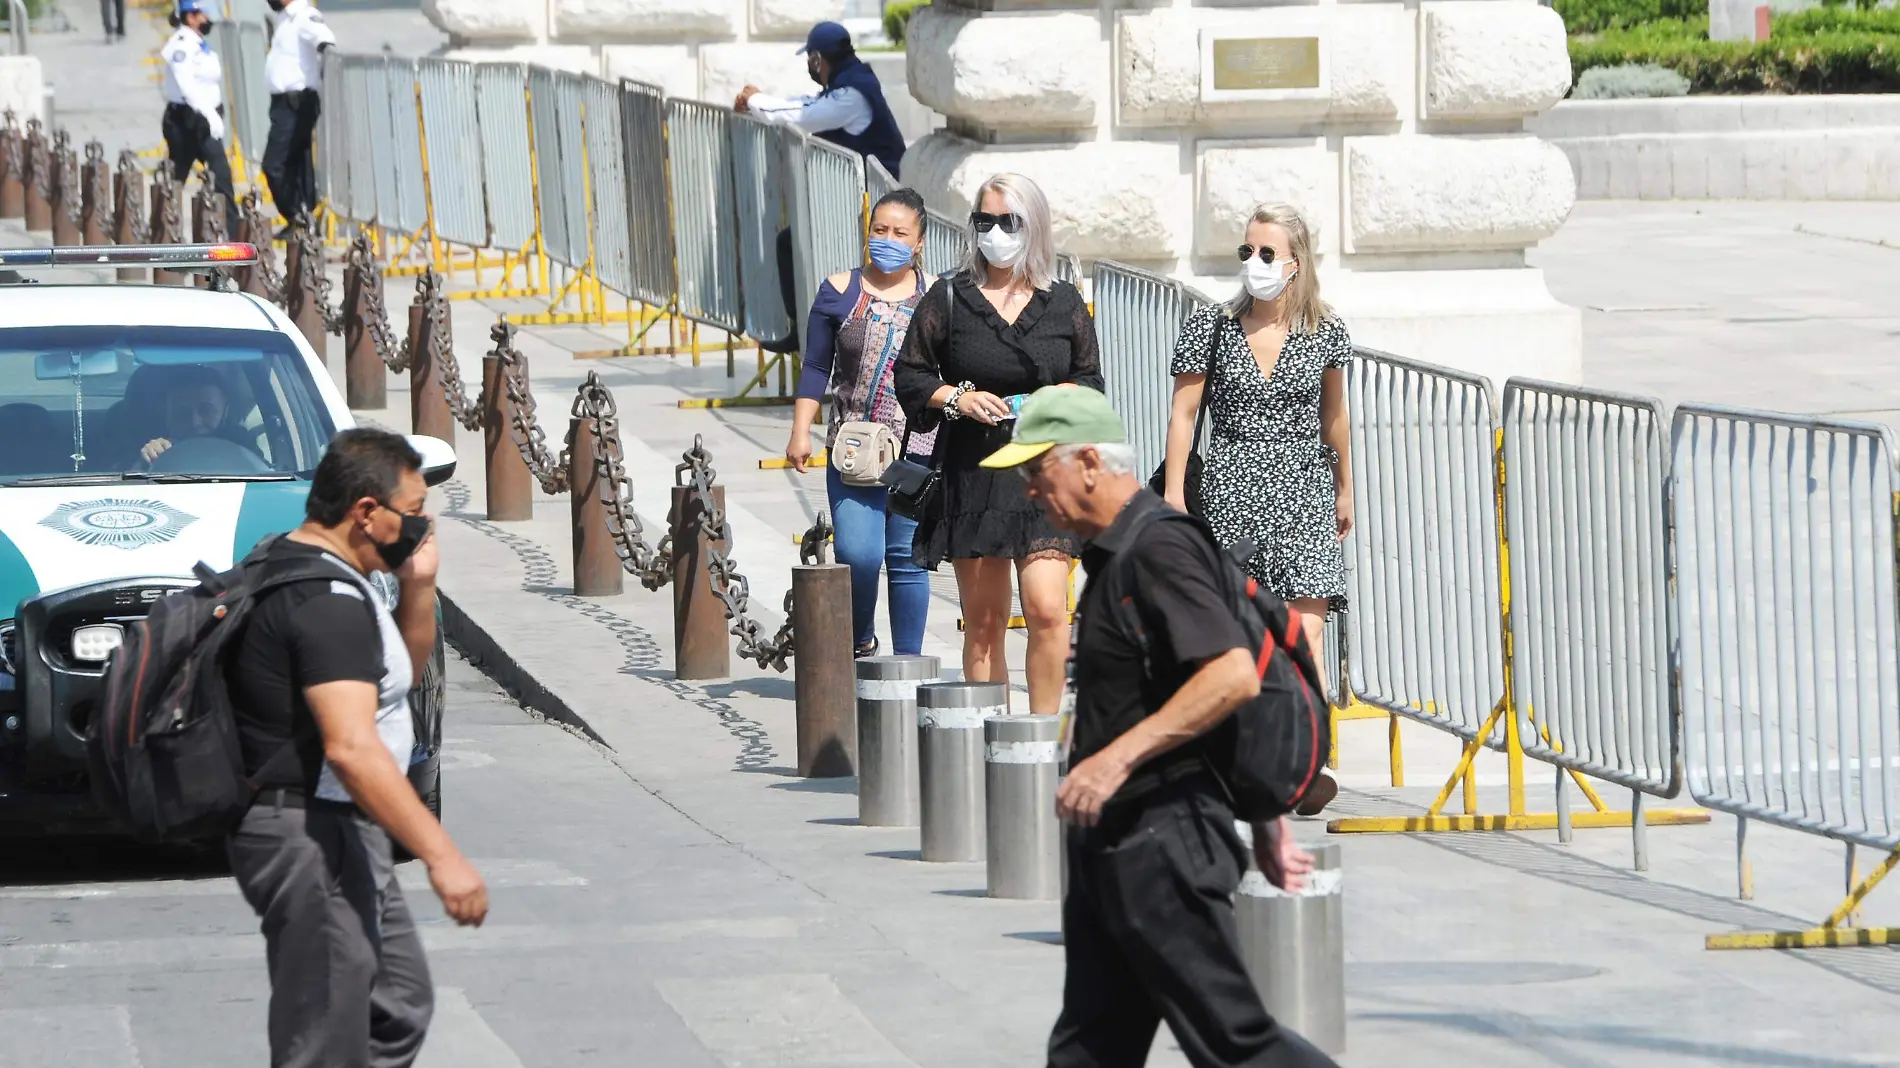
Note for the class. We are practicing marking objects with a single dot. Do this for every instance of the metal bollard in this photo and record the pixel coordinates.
(1019, 776)
(597, 571)
(65, 192)
(39, 161)
(300, 302)
(428, 404)
(125, 198)
(92, 213)
(365, 379)
(700, 647)
(887, 737)
(510, 485)
(950, 719)
(12, 178)
(162, 213)
(1294, 947)
(823, 705)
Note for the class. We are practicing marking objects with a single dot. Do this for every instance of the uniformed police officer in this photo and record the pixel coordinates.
(295, 73)
(194, 102)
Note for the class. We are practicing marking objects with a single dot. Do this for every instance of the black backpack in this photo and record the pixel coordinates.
(1269, 752)
(163, 745)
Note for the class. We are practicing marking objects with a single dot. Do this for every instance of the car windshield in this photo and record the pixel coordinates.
(91, 403)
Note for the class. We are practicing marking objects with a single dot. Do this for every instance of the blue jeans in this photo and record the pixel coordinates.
(869, 538)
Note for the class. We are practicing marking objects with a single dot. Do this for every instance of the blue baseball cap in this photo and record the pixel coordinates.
(826, 38)
(186, 7)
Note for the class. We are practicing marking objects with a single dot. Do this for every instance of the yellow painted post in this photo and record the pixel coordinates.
(1397, 754)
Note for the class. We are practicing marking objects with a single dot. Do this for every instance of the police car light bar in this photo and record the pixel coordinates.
(172, 257)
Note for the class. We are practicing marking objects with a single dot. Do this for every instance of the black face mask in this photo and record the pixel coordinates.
(397, 553)
(811, 68)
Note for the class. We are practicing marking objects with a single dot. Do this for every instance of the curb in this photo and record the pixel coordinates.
(487, 655)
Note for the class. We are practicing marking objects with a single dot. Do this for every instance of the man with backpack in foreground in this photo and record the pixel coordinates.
(319, 681)
(1188, 712)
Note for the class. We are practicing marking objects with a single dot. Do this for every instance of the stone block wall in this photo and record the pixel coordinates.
(1396, 126)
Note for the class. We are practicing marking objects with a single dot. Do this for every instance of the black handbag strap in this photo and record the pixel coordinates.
(1207, 385)
(949, 312)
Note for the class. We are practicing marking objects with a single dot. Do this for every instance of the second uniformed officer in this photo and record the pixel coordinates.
(295, 73)
(194, 103)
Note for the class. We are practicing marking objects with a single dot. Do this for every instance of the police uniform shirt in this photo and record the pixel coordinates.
(193, 75)
(1168, 579)
(295, 62)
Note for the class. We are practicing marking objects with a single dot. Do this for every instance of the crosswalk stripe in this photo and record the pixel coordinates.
(202, 950)
(498, 873)
(779, 1021)
(97, 1036)
(460, 1038)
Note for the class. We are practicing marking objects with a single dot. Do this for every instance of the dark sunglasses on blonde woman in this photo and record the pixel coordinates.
(1247, 253)
(983, 221)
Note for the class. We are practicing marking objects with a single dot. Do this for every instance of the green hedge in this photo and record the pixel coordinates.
(1593, 16)
(1825, 50)
(897, 16)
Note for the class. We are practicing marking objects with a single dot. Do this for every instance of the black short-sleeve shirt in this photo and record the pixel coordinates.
(1167, 579)
(300, 635)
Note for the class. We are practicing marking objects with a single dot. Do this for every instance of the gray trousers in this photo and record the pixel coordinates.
(349, 984)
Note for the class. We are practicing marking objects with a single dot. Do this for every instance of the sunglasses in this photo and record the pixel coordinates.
(983, 221)
(1247, 252)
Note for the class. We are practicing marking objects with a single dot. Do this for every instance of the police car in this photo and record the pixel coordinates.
(143, 429)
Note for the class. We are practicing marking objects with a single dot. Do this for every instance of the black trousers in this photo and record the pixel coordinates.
(349, 985)
(288, 165)
(112, 13)
(188, 141)
(1149, 935)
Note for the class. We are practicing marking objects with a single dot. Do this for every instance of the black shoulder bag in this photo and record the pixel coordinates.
(911, 488)
(1191, 480)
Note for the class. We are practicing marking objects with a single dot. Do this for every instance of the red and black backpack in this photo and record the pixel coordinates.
(1269, 753)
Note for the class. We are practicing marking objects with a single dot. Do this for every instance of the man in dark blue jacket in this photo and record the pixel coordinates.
(850, 109)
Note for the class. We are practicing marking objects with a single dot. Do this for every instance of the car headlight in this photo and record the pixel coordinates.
(95, 642)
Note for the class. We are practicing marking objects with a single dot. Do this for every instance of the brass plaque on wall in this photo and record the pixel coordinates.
(1254, 63)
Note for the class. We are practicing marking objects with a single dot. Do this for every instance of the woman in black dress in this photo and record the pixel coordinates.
(981, 340)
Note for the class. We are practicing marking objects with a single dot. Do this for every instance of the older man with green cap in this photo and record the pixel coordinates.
(1154, 857)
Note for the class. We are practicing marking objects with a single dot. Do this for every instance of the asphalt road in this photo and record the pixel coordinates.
(617, 925)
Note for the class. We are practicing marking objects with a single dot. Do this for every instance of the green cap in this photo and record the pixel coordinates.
(1059, 415)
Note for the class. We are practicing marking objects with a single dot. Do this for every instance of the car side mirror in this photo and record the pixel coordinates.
(438, 458)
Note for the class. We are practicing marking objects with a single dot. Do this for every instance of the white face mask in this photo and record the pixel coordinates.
(1264, 281)
(999, 248)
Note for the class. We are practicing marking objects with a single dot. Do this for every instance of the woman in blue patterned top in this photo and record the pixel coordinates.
(856, 329)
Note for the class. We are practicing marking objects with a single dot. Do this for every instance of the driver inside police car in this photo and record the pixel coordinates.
(195, 404)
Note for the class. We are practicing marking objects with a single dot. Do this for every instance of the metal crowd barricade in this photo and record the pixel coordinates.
(452, 137)
(643, 117)
(572, 172)
(549, 189)
(945, 242)
(759, 182)
(362, 86)
(794, 145)
(1583, 499)
(411, 214)
(251, 111)
(382, 139)
(834, 199)
(606, 184)
(877, 180)
(508, 159)
(706, 228)
(1785, 612)
(1138, 315)
(333, 138)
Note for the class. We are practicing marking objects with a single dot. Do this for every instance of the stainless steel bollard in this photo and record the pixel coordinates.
(1024, 838)
(950, 719)
(1294, 946)
(887, 737)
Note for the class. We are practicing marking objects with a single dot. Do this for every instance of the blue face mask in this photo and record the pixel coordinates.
(888, 255)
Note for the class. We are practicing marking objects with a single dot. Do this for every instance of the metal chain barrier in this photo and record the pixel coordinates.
(361, 258)
(98, 180)
(167, 222)
(255, 224)
(728, 584)
(43, 169)
(522, 425)
(465, 409)
(653, 567)
(131, 179)
(15, 143)
(66, 165)
(312, 277)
